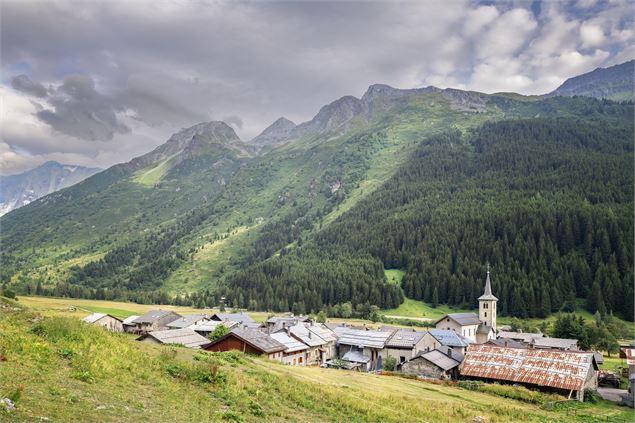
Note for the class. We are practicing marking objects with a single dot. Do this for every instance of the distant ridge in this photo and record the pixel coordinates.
(613, 83)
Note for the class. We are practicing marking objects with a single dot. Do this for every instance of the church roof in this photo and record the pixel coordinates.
(487, 295)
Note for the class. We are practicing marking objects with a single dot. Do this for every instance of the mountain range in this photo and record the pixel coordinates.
(22, 189)
(291, 219)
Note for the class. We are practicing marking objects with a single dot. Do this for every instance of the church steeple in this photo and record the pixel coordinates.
(487, 304)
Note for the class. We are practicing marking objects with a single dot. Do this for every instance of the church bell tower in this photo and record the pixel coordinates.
(487, 305)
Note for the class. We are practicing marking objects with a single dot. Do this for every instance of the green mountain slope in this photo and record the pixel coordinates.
(188, 216)
(547, 202)
(614, 83)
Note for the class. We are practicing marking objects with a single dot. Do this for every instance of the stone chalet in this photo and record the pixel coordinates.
(154, 320)
(107, 321)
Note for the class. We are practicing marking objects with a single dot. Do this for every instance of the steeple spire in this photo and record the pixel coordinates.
(487, 295)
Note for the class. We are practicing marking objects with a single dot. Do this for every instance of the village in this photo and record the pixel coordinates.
(461, 346)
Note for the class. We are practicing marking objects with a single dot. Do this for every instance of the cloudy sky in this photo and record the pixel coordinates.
(99, 82)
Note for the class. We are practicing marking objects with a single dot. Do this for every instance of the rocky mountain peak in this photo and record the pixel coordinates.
(274, 135)
(214, 131)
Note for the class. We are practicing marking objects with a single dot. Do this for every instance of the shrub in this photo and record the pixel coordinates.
(471, 385)
(218, 333)
(591, 396)
(390, 363)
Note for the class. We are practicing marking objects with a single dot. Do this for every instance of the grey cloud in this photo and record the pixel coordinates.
(82, 112)
(234, 121)
(23, 83)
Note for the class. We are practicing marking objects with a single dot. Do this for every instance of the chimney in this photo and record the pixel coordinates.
(288, 332)
(450, 352)
(310, 335)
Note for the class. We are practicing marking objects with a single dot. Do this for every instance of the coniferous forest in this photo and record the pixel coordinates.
(547, 202)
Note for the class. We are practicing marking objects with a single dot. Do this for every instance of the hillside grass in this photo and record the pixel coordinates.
(56, 367)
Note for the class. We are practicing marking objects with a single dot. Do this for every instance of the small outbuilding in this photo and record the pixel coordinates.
(154, 320)
(432, 364)
(250, 341)
(107, 321)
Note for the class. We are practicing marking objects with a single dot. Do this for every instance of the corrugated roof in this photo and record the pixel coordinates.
(463, 319)
(291, 344)
(362, 338)
(259, 340)
(129, 321)
(553, 368)
(92, 318)
(562, 343)
(323, 332)
(507, 342)
(519, 336)
(186, 337)
(404, 339)
(154, 315)
(439, 359)
(186, 321)
(310, 338)
(449, 338)
(356, 357)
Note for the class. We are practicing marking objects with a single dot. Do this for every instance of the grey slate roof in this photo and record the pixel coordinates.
(507, 342)
(519, 336)
(439, 359)
(449, 338)
(599, 358)
(258, 340)
(307, 336)
(291, 344)
(154, 315)
(234, 317)
(186, 321)
(129, 321)
(463, 319)
(362, 338)
(404, 339)
(451, 353)
(92, 318)
(210, 325)
(561, 343)
(323, 332)
(186, 337)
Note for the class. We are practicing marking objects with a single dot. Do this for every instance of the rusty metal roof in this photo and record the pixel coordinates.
(553, 368)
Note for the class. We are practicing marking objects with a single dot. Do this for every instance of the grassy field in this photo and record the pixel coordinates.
(419, 309)
(57, 368)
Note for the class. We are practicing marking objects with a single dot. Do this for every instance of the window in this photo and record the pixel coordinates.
(485, 314)
(300, 360)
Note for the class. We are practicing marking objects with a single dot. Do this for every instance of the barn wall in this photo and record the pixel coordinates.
(422, 367)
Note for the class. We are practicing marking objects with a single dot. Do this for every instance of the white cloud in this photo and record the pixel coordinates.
(591, 35)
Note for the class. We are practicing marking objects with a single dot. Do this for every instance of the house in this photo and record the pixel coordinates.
(507, 342)
(570, 372)
(128, 324)
(205, 328)
(432, 364)
(319, 340)
(294, 352)
(240, 318)
(154, 320)
(249, 341)
(525, 337)
(280, 323)
(403, 345)
(186, 337)
(478, 328)
(436, 338)
(555, 343)
(190, 321)
(368, 343)
(108, 321)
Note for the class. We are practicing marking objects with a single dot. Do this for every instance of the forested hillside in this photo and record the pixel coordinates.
(547, 202)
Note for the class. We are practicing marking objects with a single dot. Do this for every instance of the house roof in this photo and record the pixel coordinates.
(562, 343)
(92, 318)
(154, 315)
(234, 317)
(210, 325)
(257, 339)
(463, 319)
(356, 357)
(507, 342)
(186, 321)
(439, 359)
(291, 344)
(451, 353)
(129, 321)
(599, 358)
(519, 336)
(186, 337)
(307, 336)
(553, 368)
(362, 338)
(404, 339)
(323, 332)
(449, 338)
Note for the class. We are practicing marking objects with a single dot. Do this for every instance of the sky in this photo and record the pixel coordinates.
(96, 83)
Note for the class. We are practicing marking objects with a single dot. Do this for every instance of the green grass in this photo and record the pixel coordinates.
(394, 275)
(419, 309)
(56, 367)
(150, 177)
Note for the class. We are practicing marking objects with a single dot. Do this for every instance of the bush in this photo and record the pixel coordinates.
(471, 385)
(390, 363)
(218, 333)
(591, 396)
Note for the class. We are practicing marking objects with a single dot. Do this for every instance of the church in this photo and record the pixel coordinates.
(478, 329)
